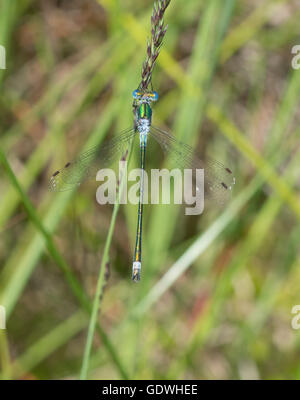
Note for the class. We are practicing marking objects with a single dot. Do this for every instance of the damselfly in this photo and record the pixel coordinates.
(218, 178)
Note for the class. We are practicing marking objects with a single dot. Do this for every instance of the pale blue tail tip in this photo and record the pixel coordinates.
(136, 271)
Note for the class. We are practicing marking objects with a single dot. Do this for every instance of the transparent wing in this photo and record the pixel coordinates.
(218, 179)
(88, 163)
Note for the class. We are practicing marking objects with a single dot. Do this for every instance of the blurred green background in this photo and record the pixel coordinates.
(217, 290)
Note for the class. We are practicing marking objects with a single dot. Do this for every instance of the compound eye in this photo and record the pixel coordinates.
(136, 94)
(155, 96)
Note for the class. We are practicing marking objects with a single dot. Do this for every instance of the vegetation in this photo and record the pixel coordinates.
(217, 290)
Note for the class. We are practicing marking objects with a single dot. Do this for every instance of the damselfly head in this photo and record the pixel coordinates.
(145, 96)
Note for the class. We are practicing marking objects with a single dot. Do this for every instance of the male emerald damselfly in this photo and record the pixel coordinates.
(218, 179)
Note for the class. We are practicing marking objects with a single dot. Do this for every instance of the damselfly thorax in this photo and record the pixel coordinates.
(144, 113)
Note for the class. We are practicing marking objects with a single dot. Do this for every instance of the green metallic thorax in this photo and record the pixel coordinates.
(144, 111)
